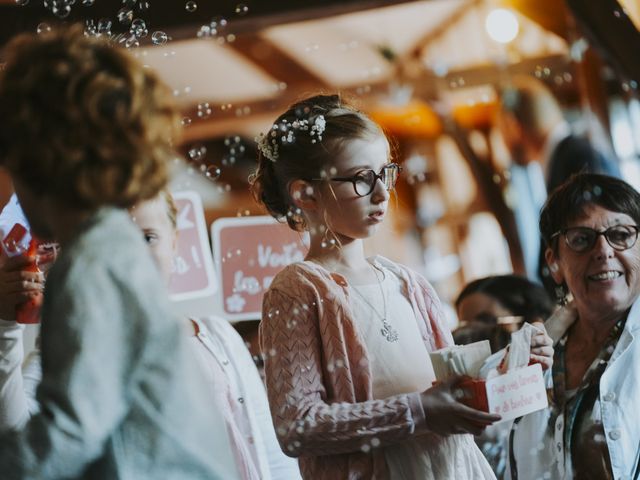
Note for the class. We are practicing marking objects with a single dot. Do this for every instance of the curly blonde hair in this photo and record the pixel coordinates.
(83, 122)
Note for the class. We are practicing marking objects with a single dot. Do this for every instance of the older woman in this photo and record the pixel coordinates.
(592, 428)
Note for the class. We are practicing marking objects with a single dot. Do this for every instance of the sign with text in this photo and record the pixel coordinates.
(193, 276)
(517, 393)
(248, 252)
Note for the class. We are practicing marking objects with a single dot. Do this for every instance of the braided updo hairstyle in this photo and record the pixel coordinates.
(304, 155)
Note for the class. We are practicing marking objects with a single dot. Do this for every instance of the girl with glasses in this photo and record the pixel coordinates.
(346, 338)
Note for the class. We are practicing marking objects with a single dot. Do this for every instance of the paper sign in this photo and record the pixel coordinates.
(193, 276)
(517, 392)
(248, 252)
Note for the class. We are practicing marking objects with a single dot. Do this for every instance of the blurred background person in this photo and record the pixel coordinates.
(590, 430)
(233, 383)
(87, 131)
(545, 152)
(491, 308)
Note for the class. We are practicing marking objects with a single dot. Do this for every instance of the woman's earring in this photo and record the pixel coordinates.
(561, 295)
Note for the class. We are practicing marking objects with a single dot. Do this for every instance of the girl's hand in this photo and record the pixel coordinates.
(541, 347)
(17, 285)
(446, 415)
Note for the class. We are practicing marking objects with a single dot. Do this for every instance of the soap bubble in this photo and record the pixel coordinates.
(197, 153)
(125, 16)
(213, 172)
(138, 28)
(43, 28)
(242, 9)
(191, 7)
(22, 3)
(104, 26)
(204, 110)
(159, 38)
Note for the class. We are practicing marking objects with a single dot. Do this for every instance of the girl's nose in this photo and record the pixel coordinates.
(380, 193)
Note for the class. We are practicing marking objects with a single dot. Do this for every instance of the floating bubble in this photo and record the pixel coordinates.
(61, 11)
(242, 9)
(197, 153)
(143, 6)
(125, 16)
(129, 42)
(43, 28)
(90, 28)
(104, 26)
(139, 28)
(213, 172)
(22, 3)
(191, 7)
(204, 110)
(88, 3)
(159, 38)
(186, 121)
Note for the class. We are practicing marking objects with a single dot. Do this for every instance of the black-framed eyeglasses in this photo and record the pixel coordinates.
(582, 239)
(364, 181)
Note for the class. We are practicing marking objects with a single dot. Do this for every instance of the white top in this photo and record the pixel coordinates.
(233, 381)
(404, 366)
(539, 448)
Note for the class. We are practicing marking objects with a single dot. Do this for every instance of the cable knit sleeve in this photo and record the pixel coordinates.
(309, 366)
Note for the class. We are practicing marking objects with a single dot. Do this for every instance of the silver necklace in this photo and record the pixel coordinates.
(387, 331)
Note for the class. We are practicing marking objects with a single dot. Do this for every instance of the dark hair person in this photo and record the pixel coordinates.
(86, 133)
(590, 227)
(490, 308)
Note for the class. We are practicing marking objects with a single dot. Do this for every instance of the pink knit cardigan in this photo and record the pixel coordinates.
(318, 376)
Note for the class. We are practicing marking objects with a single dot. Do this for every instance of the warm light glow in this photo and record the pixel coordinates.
(502, 25)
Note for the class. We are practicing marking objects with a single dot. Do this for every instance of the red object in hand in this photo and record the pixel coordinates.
(29, 311)
(477, 394)
(11, 242)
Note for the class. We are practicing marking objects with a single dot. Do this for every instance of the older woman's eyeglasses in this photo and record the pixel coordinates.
(364, 181)
(582, 239)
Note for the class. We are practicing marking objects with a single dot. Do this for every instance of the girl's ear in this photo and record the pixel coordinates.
(303, 195)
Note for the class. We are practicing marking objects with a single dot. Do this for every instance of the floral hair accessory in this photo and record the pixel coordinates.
(268, 143)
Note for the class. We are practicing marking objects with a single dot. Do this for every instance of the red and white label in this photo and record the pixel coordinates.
(248, 253)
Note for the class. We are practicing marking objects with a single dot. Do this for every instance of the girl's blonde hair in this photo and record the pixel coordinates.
(303, 155)
(83, 122)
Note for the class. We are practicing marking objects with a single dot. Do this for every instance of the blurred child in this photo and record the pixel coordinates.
(229, 373)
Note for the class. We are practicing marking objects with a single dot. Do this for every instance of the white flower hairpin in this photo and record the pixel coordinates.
(269, 145)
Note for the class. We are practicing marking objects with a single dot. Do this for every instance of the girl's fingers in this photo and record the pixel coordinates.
(546, 362)
(543, 351)
(477, 416)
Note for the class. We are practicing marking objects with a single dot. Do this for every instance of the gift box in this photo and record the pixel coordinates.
(512, 391)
